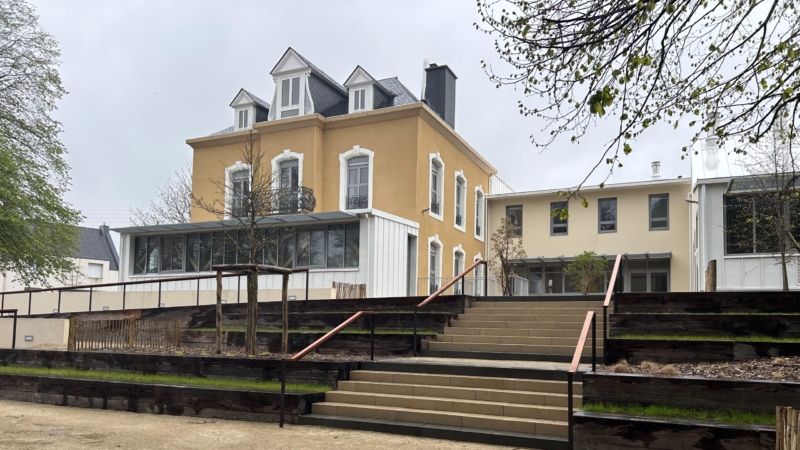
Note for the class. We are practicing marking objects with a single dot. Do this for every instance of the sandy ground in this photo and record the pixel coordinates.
(26, 426)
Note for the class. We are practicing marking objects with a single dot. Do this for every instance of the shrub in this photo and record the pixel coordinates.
(586, 273)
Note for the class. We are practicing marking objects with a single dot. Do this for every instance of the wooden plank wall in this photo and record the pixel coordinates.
(690, 392)
(123, 334)
(708, 302)
(787, 429)
(706, 324)
(636, 351)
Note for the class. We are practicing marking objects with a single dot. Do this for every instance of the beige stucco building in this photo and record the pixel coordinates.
(381, 189)
(647, 222)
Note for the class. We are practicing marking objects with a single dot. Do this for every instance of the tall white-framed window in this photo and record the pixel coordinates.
(283, 176)
(460, 219)
(244, 117)
(237, 187)
(356, 179)
(479, 213)
(436, 197)
(360, 99)
(434, 264)
(291, 89)
(458, 266)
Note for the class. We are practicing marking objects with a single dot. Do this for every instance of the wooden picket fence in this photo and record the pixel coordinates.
(123, 334)
(347, 290)
(787, 428)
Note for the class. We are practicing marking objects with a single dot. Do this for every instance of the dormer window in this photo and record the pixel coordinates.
(290, 97)
(359, 100)
(247, 110)
(243, 123)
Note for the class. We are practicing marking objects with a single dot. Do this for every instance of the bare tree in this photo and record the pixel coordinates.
(766, 210)
(245, 198)
(506, 248)
(173, 202)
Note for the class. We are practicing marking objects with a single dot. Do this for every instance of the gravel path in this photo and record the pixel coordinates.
(27, 426)
(773, 369)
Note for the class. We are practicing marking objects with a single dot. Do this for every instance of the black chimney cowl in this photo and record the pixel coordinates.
(440, 92)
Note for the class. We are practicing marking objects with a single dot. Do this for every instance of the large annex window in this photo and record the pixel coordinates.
(607, 215)
(290, 97)
(331, 246)
(558, 226)
(514, 219)
(437, 186)
(659, 212)
(460, 201)
(746, 228)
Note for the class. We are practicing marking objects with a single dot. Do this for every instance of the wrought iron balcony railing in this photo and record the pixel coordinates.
(293, 200)
(459, 220)
(434, 207)
(358, 202)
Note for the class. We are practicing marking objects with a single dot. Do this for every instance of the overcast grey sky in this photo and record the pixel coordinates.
(144, 76)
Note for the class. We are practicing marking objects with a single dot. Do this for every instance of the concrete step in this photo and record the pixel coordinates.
(503, 348)
(519, 325)
(449, 405)
(555, 397)
(427, 379)
(453, 419)
(558, 341)
(465, 434)
(534, 312)
(553, 333)
(521, 318)
(537, 305)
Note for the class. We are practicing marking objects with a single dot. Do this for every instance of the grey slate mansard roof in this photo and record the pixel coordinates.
(97, 244)
(256, 99)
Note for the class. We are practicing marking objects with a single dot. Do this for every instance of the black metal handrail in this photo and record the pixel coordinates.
(14, 328)
(125, 284)
(446, 287)
(314, 345)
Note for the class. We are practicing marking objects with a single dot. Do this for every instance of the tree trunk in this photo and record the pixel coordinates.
(285, 314)
(784, 272)
(252, 313)
(219, 312)
(711, 276)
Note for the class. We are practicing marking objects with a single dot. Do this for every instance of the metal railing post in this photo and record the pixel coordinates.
(3, 302)
(485, 280)
(372, 338)
(463, 288)
(159, 295)
(239, 290)
(59, 301)
(283, 389)
(90, 298)
(14, 336)
(605, 335)
(30, 300)
(198, 292)
(571, 443)
(594, 342)
(123, 296)
(308, 274)
(414, 348)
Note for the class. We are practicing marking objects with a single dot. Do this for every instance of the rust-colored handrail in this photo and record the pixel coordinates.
(612, 282)
(314, 345)
(576, 361)
(451, 283)
(576, 358)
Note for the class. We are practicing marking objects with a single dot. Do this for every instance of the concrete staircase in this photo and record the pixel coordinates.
(501, 406)
(518, 330)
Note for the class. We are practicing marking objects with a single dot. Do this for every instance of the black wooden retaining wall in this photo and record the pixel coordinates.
(340, 344)
(156, 399)
(615, 432)
(708, 302)
(776, 325)
(383, 321)
(690, 392)
(636, 351)
(316, 372)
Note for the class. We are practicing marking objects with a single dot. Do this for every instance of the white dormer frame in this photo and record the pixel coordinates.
(290, 66)
(242, 103)
(357, 81)
(440, 185)
(343, 159)
(459, 175)
(229, 171)
(286, 155)
(480, 213)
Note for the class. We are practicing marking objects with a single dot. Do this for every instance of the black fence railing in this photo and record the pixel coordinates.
(358, 202)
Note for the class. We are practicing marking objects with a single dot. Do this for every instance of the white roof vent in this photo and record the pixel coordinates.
(656, 169)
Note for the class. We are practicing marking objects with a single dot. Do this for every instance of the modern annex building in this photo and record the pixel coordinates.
(647, 222)
(382, 190)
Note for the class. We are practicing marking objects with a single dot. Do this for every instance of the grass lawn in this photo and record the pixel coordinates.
(175, 380)
(319, 331)
(668, 412)
(699, 337)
